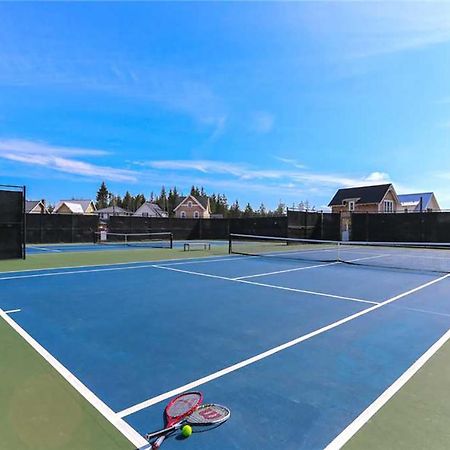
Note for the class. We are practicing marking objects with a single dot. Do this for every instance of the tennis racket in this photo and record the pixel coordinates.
(178, 409)
(205, 415)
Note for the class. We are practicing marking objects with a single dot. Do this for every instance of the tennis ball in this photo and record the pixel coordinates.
(186, 431)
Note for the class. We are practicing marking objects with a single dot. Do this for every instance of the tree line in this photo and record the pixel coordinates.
(168, 200)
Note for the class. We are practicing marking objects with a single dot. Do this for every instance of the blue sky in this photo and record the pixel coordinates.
(261, 101)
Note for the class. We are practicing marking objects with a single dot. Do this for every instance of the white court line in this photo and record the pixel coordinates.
(296, 269)
(132, 435)
(162, 261)
(48, 249)
(103, 269)
(305, 268)
(369, 412)
(12, 311)
(273, 286)
(193, 384)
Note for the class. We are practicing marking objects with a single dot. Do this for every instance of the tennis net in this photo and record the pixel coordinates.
(153, 240)
(417, 256)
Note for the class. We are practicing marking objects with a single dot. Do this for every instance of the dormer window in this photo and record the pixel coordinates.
(351, 205)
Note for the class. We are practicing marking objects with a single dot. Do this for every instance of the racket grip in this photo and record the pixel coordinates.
(158, 442)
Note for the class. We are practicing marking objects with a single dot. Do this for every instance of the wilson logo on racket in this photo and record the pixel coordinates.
(209, 414)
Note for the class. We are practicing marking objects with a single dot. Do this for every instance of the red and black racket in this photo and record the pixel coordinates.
(179, 408)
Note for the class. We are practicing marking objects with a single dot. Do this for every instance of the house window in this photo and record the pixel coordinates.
(388, 206)
(196, 215)
(145, 214)
(351, 205)
(183, 215)
(189, 204)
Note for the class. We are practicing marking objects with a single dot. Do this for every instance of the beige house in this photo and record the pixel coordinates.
(373, 199)
(191, 207)
(75, 207)
(35, 207)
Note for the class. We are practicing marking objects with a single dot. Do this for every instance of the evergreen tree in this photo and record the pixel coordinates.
(102, 196)
(138, 201)
(235, 210)
(262, 210)
(172, 200)
(127, 202)
(162, 199)
(248, 211)
(280, 210)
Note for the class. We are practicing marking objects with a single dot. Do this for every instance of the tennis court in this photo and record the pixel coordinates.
(296, 343)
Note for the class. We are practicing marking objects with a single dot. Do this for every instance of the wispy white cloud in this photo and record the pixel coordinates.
(291, 177)
(59, 159)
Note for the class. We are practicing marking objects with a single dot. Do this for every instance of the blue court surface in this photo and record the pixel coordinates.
(296, 350)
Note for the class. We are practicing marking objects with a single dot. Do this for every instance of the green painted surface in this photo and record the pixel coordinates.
(72, 259)
(39, 410)
(417, 417)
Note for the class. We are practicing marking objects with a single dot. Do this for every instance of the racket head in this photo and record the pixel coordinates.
(209, 414)
(182, 406)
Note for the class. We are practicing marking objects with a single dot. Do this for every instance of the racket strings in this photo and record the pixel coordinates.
(209, 414)
(183, 405)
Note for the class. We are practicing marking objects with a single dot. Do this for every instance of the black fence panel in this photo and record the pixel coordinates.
(12, 222)
(200, 228)
(261, 226)
(405, 227)
(60, 228)
(313, 225)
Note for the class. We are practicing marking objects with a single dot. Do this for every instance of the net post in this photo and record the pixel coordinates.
(94, 237)
(171, 240)
(229, 244)
(339, 251)
(24, 223)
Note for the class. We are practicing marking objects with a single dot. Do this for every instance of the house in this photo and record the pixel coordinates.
(75, 207)
(106, 213)
(373, 199)
(191, 207)
(149, 209)
(35, 207)
(425, 201)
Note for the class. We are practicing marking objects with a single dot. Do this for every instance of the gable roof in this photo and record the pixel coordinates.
(202, 200)
(152, 208)
(362, 194)
(414, 199)
(31, 204)
(75, 206)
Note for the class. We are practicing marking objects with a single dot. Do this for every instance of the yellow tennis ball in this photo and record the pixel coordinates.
(186, 431)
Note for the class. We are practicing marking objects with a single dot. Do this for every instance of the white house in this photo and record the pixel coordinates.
(75, 207)
(424, 202)
(149, 209)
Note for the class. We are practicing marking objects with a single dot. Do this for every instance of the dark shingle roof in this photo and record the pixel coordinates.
(364, 194)
(203, 200)
(30, 204)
